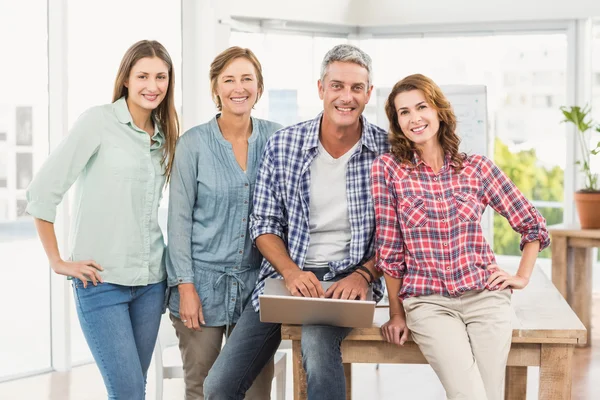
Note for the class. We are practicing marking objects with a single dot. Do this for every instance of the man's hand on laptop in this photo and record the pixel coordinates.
(303, 283)
(352, 287)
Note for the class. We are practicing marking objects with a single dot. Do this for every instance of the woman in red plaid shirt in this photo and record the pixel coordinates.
(441, 274)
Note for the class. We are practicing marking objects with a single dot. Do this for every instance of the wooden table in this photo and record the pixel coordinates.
(545, 331)
(572, 268)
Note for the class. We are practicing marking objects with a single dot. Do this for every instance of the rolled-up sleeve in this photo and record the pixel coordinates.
(506, 199)
(63, 166)
(267, 216)
(388, 235)
(183, 190)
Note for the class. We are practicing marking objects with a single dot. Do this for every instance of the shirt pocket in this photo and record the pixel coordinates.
(125, 164)
(204, 282)
(467, 207)
(413, 212)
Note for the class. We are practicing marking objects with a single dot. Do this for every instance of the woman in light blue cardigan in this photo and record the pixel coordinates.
(212, 266)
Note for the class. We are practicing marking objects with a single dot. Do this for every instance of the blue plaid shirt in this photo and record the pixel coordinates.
(282, 194)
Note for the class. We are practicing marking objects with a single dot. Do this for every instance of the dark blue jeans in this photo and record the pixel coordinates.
(252, 344)
(120, 325)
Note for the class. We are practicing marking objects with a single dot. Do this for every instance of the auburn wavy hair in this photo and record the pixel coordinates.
(165, 113)
(402, 147)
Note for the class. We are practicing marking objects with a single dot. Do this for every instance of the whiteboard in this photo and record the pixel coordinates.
(470, 107)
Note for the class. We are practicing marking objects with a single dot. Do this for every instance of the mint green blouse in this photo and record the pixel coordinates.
(114, 218)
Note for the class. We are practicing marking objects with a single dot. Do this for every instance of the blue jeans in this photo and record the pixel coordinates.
(120, 325)
(252, 344)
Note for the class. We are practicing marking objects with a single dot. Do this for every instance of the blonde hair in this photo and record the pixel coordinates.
(223, 60)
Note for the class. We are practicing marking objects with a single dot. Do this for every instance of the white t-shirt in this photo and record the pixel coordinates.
(329, 224)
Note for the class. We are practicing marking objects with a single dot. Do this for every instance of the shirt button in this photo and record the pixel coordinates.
(234, 283)
(448, 268)
(242, 236)
(446, 244)
(233, 298)
(435, 179)
(439, 199)
(443, 220)
(245, 184)
(243, 219)
(241, 252)
(245, 202)
(181, 280)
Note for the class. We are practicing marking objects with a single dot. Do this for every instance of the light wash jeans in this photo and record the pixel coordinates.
(120, 325)
(252, 344)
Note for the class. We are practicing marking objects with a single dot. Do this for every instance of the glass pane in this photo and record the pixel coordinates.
(291, 68)
(25, 333)
(596, 72)
(595, 114)
(98, 39)
(525, 76)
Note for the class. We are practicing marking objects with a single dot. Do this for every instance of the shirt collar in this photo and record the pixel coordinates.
(417, 161)
(124, 117)
(218, 135)
(122, 111)
(312, 134)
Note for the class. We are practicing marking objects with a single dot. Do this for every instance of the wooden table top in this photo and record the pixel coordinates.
(541, 315)
(573, 230)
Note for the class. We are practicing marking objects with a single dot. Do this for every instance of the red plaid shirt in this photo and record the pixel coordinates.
(428, 227)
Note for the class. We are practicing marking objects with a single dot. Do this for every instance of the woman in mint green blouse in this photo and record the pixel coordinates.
(120, 154)
(212, 265)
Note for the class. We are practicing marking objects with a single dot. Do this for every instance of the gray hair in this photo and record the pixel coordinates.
(347, 53)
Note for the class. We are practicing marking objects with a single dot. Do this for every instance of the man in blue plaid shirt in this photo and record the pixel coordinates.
(313, 220)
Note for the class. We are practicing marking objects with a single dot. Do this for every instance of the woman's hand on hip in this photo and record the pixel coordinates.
(504, 280)
(190, 307)
(88, 270)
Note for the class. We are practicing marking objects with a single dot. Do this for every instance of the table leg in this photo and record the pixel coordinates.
(580, 288)
(555, 372)
(515, 384)
(559, 264)
(300, 392)
(348, 374)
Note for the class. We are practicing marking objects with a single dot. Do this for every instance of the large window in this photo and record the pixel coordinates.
(525, 77)
(25, 333)
(99, 36)
(291, 68)
(596, 74)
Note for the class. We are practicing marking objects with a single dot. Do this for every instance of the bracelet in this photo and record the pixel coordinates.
(363, 268)
(364, 277)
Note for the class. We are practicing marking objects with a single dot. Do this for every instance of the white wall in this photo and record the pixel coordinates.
(403, 12)
(411, 12)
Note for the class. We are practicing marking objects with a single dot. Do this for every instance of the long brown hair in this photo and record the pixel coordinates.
(165, 113)
(402, 147)
(221, 62)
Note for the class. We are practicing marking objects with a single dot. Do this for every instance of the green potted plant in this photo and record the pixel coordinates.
(587, 200)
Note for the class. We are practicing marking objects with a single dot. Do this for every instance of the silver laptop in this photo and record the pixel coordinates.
(279, 306)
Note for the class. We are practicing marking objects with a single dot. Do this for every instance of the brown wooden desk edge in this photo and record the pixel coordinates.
(579, 336)
(573, 231)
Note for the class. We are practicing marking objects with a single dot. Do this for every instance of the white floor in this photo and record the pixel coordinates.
(389, 382)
